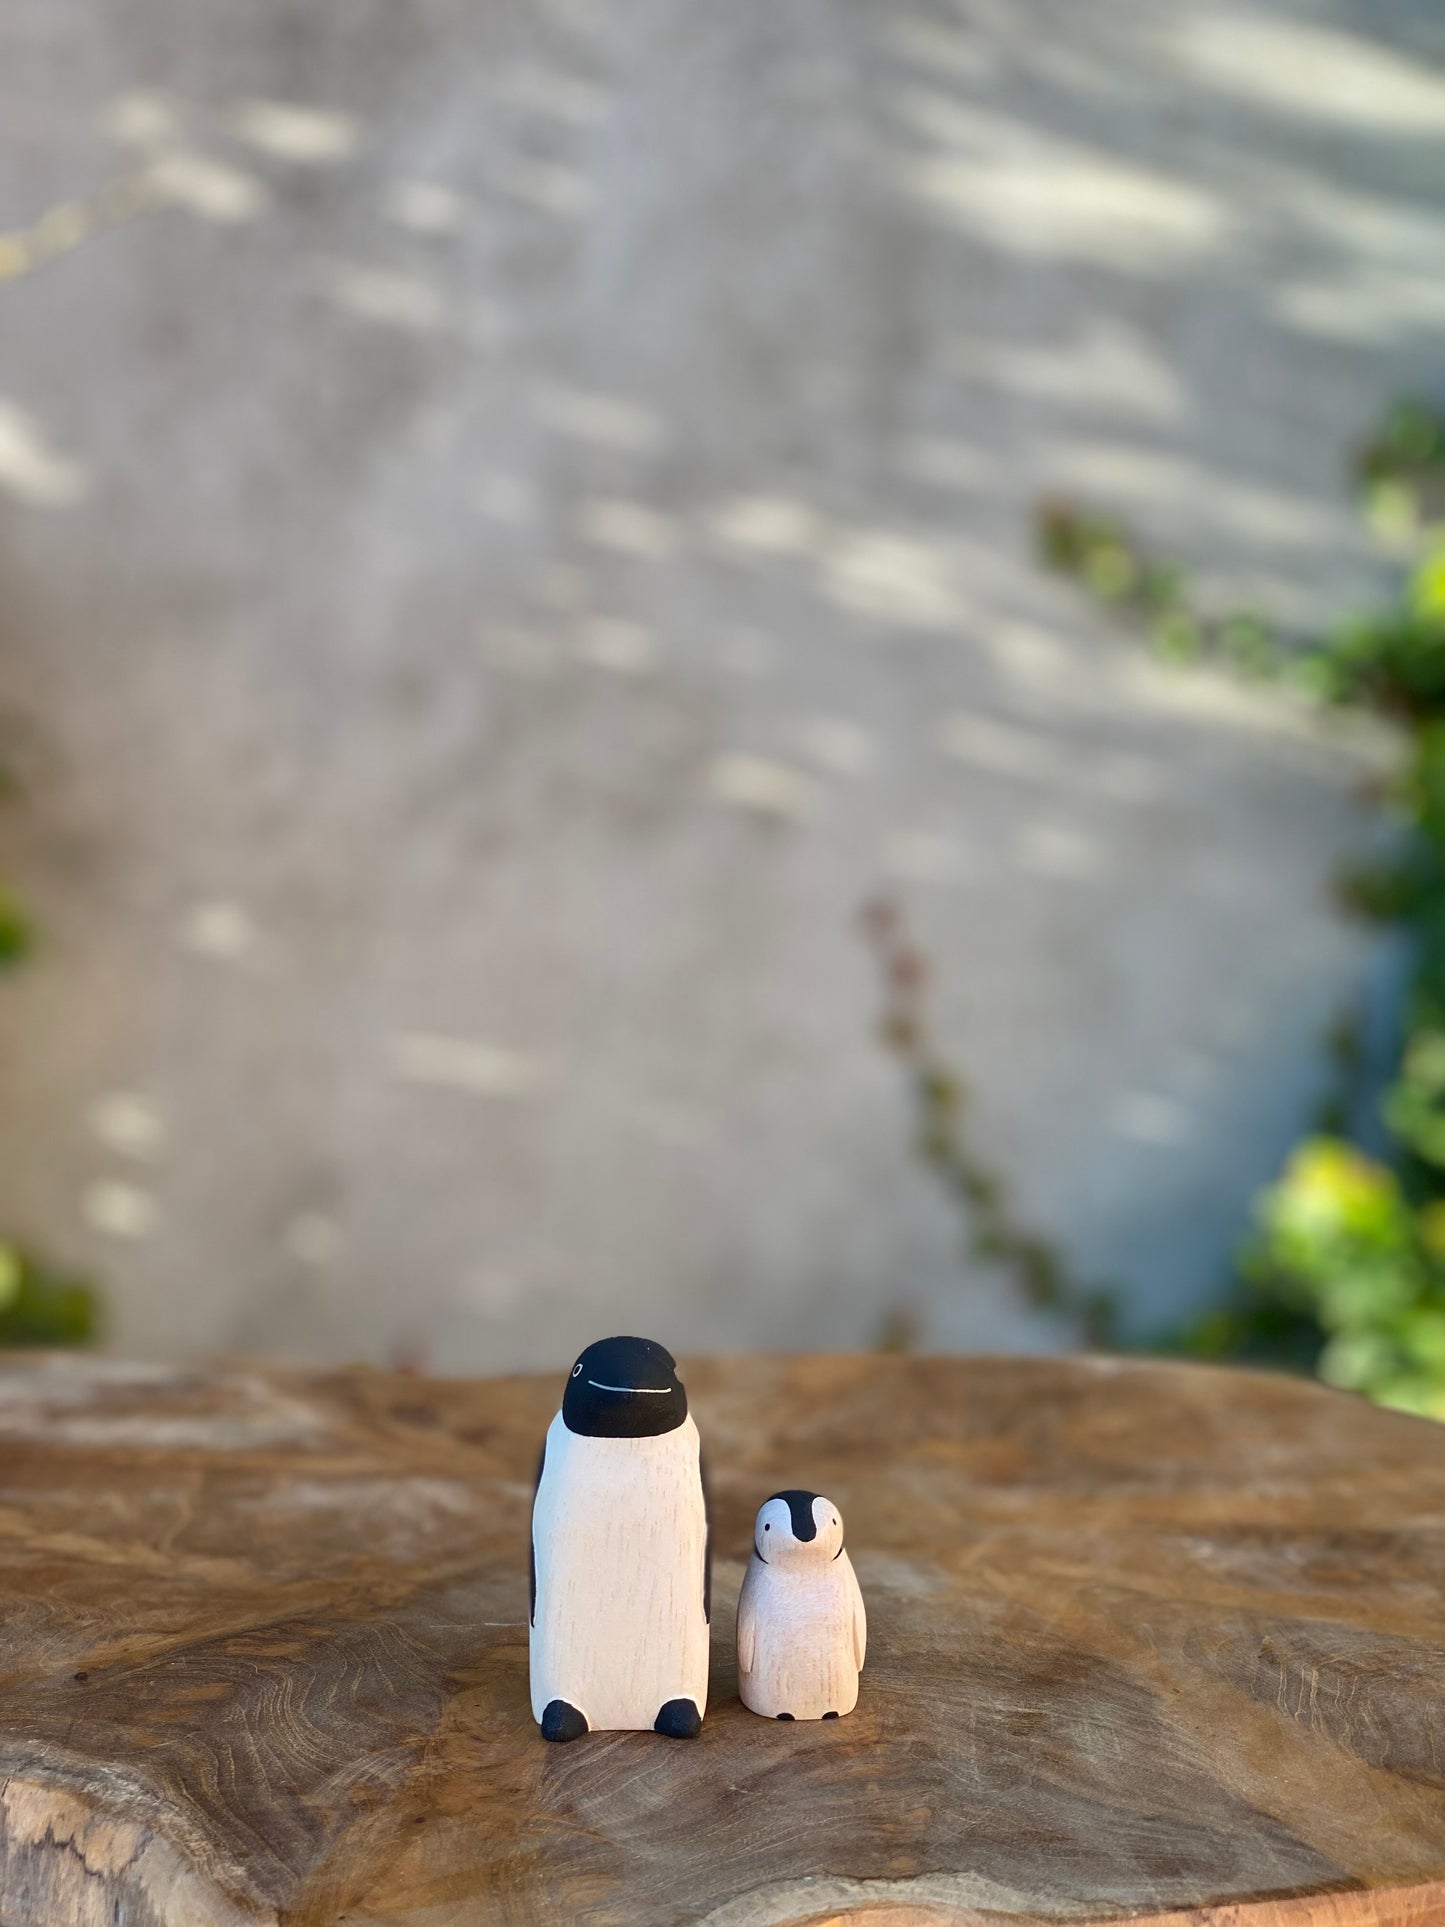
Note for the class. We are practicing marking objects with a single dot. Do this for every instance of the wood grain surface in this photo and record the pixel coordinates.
(1147, 1641)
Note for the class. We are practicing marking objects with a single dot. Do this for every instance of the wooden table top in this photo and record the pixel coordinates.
(1146, 1641)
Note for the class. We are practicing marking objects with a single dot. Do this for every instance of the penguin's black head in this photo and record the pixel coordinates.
(800, 1514)
(624, 1388)
(797, 1528)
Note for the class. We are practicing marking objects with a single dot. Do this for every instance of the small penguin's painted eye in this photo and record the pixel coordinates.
(577, 1369)
(767, 1528)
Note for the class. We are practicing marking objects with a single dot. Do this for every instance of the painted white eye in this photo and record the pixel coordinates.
(577, 1369)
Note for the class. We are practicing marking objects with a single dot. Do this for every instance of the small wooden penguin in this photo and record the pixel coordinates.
(620, 1552)
(801, 1625)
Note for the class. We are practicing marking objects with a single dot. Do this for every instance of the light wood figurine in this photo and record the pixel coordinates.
(802, 1630)
(620, 1552)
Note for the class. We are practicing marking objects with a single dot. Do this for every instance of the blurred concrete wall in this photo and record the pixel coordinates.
(514, 521)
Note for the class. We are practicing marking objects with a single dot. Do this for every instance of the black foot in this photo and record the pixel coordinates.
(785, 1716)
(679, 1720)
(562, 1722)
(830, 1716)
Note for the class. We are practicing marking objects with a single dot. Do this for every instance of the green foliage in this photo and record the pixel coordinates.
(1401, 471)
(1153, 596)
(16, 936)
(1395, 661)
(38, 1306)
(1341, 1242)
(1344, 1272)
(41, 1307)
(994, 1233)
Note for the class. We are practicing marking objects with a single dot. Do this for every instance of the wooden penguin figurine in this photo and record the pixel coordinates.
(620, 1552)
(801, 1625)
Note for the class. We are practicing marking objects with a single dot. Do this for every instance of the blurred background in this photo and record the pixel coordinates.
(742, 671)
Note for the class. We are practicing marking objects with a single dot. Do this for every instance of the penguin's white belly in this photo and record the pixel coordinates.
(619, 1535)
(803, 1656)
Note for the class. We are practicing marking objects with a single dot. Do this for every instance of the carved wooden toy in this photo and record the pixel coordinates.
(620, 1552)
(802, 1630)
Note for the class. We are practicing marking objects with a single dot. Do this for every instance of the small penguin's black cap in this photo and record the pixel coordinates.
(624, 1388)
(800, 1511)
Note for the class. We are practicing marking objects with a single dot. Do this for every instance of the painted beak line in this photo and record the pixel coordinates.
(656, 1391)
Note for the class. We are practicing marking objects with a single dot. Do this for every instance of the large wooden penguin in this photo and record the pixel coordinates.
(620, 1552)
(802, 1630)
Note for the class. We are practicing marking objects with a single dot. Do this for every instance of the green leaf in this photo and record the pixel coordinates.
(17, 938)
(11, 1276)
(43, 1307)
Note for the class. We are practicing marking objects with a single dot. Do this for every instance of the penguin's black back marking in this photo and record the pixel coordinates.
(800, 1511)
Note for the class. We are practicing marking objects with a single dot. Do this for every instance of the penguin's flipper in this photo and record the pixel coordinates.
(707, 1540)
(857, 1614)
(532, 1544)
(747, 1630)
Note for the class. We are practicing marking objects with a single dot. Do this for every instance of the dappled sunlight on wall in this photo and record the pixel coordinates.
(518, 525)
